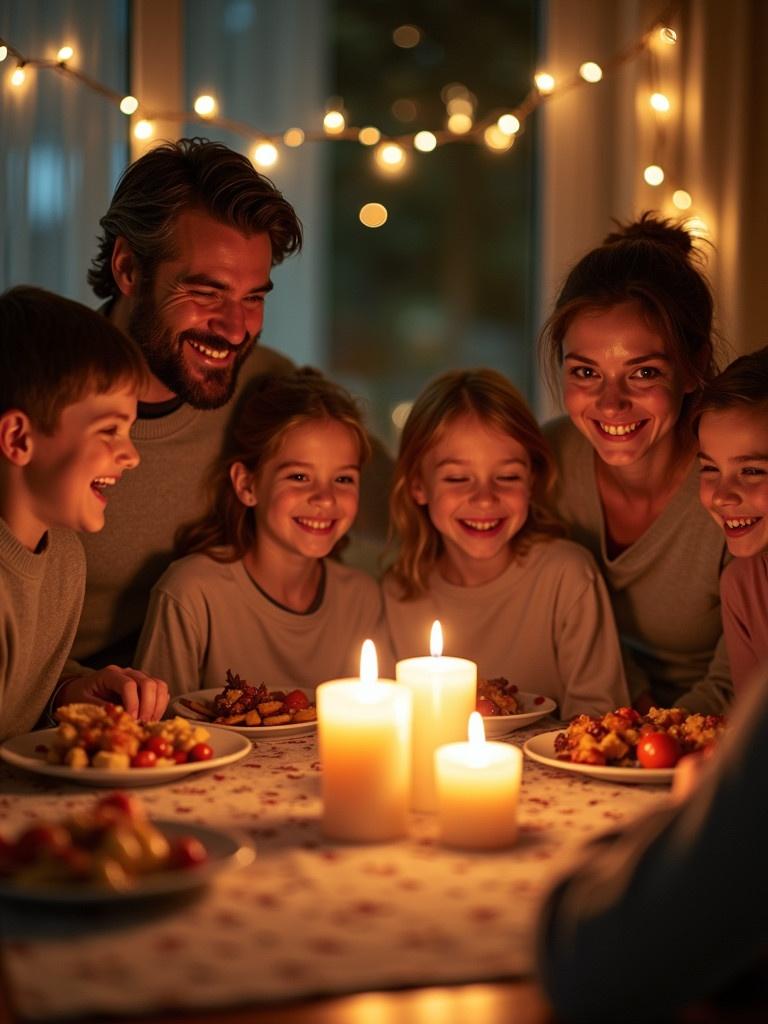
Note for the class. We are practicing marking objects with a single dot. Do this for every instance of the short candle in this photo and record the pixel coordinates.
(478, 785)
(444, 695)
(364, 730)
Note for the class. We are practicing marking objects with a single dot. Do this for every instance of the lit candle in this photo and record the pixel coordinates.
(478, 785)
(364, 729)
(444, 695)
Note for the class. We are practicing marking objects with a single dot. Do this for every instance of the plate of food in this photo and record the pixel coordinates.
(624, 746)
(101, 745)
(505, 708)
(112, 851)
(253, 711)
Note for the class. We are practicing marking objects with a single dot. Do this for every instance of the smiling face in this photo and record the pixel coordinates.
(476, 484)
(200, 316)
(306, 494)
(733, 481)
(619, 386)
(70, 471)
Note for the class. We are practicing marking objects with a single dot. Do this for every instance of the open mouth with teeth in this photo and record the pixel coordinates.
(739, 525)
(100, 483)
(618, 430)
(483, 527)
(219, 355)
(322, 526)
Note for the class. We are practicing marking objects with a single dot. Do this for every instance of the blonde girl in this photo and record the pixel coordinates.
(479, 551)
(254, 590)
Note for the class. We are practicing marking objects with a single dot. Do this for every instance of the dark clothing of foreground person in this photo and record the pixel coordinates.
(676, 907)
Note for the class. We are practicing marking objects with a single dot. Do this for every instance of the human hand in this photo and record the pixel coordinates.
(142, 696)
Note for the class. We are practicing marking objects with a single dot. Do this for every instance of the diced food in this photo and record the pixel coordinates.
(240, 703)
(497, 697)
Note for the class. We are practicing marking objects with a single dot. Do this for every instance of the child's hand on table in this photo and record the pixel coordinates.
(142, 696)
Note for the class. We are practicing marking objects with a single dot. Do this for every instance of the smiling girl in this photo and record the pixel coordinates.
(731, 421)
(479, 552)
(255, 592)
(630, 341)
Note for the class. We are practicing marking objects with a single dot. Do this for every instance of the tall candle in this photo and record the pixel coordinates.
(364, 728)
(478, 785)
(444, 695)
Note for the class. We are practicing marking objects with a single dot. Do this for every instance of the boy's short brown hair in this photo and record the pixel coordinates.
(53, 352)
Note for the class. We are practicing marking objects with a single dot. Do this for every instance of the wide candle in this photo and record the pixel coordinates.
(364, 729)
(444, 695)
(478, 785)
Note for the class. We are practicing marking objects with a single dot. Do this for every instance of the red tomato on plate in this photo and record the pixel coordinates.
(296, 701)
(487, 707)
(658, 750)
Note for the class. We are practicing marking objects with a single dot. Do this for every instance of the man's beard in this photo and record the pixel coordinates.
(164, 355)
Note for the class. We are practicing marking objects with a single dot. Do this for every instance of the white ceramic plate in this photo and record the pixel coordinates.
(225, 850)
(541, 748)
(21, 752)
(500, 725)
(253, 732)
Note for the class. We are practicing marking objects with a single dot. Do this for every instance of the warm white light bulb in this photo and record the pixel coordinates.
(265, 154)
(17, 76)
(659, 102)
(590, 71)
(653, 174)
(545, 82)
(65, 53)
(373, 215)
(143, 129)
(682, 199)
(509, 124)
(369, 135)
(293, 137)
(496, 139)
(205, 106)
(129, 105)
(400, 414)
(334, 122)
(390, 157)
(459, 124)
(667, 35)
(3, 53)
(425, 142)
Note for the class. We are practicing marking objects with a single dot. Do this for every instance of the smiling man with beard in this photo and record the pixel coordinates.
(184, 265)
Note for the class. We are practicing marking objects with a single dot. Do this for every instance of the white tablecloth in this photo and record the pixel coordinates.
(309, 916)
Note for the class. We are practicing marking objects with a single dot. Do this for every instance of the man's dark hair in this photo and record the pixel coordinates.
(191, 174)
(54, 352)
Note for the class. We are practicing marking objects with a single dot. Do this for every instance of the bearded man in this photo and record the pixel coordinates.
(184, 265)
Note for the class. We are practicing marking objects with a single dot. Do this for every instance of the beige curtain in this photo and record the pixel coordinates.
(597, 139)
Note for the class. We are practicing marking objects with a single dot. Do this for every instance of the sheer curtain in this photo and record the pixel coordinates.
(62, 147)
(596, 140)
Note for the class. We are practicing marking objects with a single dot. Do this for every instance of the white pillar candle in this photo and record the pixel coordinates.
(364, 729)
(444, 695)
(478, 785)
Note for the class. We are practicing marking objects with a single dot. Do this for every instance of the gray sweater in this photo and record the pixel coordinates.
(665, 588)
(40, 599)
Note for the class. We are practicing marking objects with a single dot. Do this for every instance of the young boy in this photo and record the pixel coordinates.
(68, 385)
(731, 420)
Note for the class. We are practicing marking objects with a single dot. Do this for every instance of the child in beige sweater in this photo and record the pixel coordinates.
(68, 384)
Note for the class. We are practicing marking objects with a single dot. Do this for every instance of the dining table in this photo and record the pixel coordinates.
(312, 930)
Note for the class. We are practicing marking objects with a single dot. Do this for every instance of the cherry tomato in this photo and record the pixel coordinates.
(120, 803)
(188, 852)
(200, 752)
(296, 701)
(658, 750)
(41, 839)
(487, 707)
(144, 759)
(159, 746)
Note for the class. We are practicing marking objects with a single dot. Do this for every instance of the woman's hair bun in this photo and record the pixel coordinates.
(651, 228)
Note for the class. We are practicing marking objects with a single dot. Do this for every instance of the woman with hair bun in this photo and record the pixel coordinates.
(630, 341)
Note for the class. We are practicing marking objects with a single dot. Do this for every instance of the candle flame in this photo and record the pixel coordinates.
(369, 666)
(476, 730)
(436, 639)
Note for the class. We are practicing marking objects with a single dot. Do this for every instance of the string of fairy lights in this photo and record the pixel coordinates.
(496, 130)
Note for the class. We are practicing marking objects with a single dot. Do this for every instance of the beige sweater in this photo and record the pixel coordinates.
(545, 624)
(206, 617)
(665, 588)
(40, 600)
